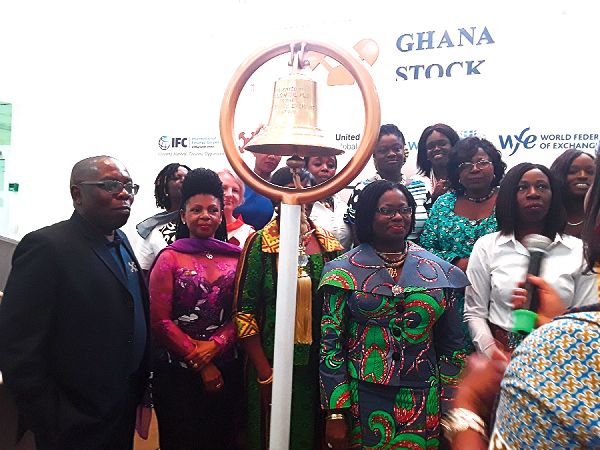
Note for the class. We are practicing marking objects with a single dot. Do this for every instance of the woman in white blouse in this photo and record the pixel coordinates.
(528, 202)
(233, 196)
(327, 213)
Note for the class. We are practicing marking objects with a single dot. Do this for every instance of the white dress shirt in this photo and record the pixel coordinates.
(498, 262)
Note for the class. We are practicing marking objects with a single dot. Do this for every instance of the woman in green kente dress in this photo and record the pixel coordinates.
(460, 217)
(255, 319)
(392, 347)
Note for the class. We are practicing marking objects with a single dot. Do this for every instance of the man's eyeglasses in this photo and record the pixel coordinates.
(391, 212)
(114, 186)
(468, 166)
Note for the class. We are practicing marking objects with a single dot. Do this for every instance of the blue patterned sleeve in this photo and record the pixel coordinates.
(335, 386)
(552, 382)
(431, 238)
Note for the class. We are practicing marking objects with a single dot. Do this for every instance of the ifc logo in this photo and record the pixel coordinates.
(164, 142)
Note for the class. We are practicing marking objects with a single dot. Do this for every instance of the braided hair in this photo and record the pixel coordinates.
(162, 180)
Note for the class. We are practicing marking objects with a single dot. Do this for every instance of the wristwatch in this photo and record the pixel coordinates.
(461, 419)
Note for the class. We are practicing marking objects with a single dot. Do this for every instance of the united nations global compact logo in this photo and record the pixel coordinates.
(164, 142)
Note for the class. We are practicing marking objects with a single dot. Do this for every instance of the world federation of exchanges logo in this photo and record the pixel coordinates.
(164, 142)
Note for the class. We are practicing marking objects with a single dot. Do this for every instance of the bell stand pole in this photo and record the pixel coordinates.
(290, 209)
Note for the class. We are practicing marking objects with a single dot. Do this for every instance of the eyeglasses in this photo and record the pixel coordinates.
(468, 166)
(391, 212)
(114, 186)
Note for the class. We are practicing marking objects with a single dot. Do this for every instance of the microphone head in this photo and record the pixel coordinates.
(536, 243)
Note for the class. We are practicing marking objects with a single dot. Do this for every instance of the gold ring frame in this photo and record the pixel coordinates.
(358, 161)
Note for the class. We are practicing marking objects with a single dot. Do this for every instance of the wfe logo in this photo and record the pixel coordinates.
(528, 140)
(165, 142)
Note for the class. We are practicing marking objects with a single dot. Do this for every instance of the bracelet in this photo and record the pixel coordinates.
(335, 416)
(461, 419)
(267, 381)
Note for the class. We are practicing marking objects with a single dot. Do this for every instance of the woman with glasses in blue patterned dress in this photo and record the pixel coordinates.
(391, 341)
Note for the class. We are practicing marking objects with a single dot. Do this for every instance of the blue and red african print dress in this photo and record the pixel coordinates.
(390, 352)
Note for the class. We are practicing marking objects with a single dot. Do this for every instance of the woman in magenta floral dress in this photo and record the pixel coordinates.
(197, 379)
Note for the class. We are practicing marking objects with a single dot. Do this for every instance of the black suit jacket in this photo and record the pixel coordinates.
(66, 335)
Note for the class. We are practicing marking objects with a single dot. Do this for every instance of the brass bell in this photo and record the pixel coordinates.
(292, 127)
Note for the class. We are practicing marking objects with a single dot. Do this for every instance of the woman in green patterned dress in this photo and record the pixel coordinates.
(391, 339)
(255, 295)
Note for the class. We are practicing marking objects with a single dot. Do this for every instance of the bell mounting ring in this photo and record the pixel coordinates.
(303, 142)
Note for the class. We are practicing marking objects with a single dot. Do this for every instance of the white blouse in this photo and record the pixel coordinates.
(147, 249)
(333, 221)
(498, 262)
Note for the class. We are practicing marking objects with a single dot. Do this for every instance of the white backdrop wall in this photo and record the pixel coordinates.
(112, 77)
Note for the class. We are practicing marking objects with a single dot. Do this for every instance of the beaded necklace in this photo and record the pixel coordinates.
(393, 264)
(481, 199)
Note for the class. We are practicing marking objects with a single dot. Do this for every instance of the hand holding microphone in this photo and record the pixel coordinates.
(524, 318)
(537, 246)
(550, 304)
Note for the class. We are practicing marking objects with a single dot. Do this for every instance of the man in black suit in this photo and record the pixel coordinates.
(74, 320)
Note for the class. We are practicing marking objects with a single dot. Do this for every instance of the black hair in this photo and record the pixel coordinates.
(367, 205)
(390, 128)
(561, 166)
(463, 151)
(283, 177)
(202, 181)
(590, 234)
(423, 164)
(162, 180)
(506, 202)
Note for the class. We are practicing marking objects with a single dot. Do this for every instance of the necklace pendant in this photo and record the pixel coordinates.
(209, 255)
(393, 272)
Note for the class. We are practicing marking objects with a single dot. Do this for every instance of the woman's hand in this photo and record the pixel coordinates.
(440, 188)
(203, 353)
(550, 303)
(462, 264)
(481, 383)
(336, 434)
(265, 389)
(211, 377)
(265, 396)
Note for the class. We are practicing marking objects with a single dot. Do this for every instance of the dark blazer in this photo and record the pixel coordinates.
(66, 329)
